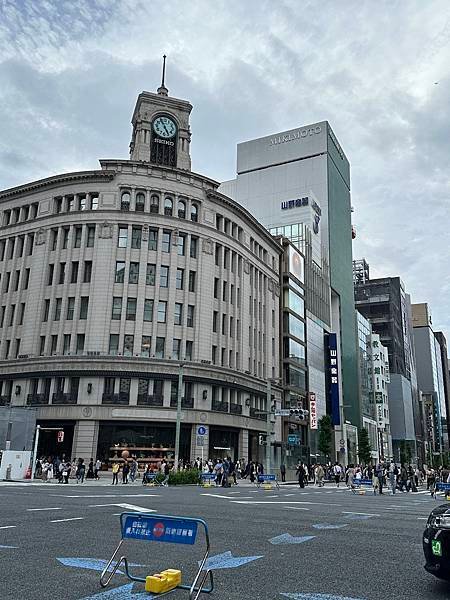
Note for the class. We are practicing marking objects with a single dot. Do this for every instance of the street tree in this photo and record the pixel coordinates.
(365, 449)
(325, 435)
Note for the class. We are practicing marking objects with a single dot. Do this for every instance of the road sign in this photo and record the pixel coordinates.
(342, 442)
(202, 430)
(60, 436)
(200, 440)
(294, 439)
(282, 412)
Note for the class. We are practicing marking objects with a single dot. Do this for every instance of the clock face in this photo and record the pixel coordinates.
(164, 127)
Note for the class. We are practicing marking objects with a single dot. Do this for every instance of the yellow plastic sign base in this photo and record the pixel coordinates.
(165, 581)
(267, 486)
(207, 485)
(362, 492)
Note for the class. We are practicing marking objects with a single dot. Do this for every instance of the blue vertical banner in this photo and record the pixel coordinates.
(333, 378)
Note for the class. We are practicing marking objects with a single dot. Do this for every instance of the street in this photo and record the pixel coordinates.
(315, 544)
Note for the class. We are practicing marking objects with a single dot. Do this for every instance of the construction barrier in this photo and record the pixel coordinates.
(266, 481)
(207, 479)
(359, 485)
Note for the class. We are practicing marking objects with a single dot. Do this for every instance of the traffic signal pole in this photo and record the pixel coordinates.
(268, 427)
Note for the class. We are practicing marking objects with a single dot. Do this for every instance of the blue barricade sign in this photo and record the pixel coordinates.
(362, 481)
(262, 478)
(208, 476)
(443, 486)
(176, 531)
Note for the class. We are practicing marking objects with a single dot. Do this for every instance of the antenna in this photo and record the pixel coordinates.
(163, 70)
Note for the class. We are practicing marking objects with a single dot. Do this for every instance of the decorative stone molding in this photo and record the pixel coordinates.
(246, 266)
(207, 246)
(105, 231)
(87, 411)
(41, 236)
(145, 230)
(270, 285)
(277, 289)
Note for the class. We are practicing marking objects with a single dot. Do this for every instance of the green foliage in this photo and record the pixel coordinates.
(325, 435)
(405, 452)
(364, 446)
(188, 476)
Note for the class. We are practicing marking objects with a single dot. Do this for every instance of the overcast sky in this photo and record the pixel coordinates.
(70, 72)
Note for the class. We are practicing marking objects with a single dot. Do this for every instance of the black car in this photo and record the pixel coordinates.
(436, 542)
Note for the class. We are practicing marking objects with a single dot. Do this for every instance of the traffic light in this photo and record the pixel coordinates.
(262, 439)
(299, 413)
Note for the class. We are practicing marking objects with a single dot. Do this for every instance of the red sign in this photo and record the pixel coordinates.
(158, 530)
(60, 436)
(312, 411)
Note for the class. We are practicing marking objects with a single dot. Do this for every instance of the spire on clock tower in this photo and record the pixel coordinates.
(161, 131)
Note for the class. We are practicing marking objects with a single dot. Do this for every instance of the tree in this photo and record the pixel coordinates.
(365, 449)
(325, 435)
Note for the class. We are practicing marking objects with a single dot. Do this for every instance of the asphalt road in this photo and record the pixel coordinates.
(361, 547)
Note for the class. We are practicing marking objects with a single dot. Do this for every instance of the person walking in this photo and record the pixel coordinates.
(320, 474)
(379, 473)
(125, 471)
(301, 473)
(66, 472)
(393, 472)
(337, 472)
(98, 466)
(115, 473)
(81, 469)
(90, 472)
(283, 472)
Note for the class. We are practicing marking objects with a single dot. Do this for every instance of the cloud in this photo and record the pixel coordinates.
(70, 74)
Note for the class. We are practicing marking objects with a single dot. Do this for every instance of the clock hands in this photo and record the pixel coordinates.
(167, 131)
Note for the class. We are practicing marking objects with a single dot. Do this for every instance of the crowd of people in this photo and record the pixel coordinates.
(61, 470)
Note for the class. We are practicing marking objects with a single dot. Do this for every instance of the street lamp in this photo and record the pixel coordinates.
(178, 422)
(268, 421)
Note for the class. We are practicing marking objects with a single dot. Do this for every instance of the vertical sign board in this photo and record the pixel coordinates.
(312, 410)
(60, 436)
(333, 369)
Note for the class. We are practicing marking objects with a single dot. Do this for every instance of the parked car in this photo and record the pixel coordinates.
(436, 542)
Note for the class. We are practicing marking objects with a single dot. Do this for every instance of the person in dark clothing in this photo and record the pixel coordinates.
(283, 472)
(379, 473)
(125, 471)
(301, 475)
(232, 470)
(90, 471)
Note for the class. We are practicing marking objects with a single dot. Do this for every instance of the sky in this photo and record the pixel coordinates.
(70, 72)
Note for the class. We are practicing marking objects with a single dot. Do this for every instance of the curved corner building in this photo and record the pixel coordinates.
(113, 281)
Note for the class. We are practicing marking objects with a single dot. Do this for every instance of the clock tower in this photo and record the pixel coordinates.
(161, 132)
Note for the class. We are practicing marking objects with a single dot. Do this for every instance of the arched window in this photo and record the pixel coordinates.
(168, 206)
(125, 201)
(181, 209)
(194, 212)
(140, 202)
(154, 204)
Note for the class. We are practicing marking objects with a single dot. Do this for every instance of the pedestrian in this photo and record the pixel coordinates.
(301, 473)
(337, 472)
(81, 469)
(379, 473)
(320, 474)
(283, 472)
(98, 466)
(66, 472)
(125, 471)
(90, 472)
(393, 472)
(133, 469)
(349, 476)
(232, 470)
(115, 473)
(166, 473)
(403, 479)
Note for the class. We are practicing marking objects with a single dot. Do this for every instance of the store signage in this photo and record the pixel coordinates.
(294, 439)
(286, 204)
(60, 436)
(333, 377)
(312, 410)
(295, 135)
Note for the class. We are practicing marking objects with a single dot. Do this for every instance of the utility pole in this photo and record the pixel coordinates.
(178, 423)
(268, 426)
(35, 449)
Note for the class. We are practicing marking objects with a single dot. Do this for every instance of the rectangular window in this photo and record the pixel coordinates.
(70, 308)
(194, 247)
(65, 237)
(11, 246)
(57, 313)
(74, 272)
(216, 287)
(12, 312)
(189, 347)
(2, 249)
(180, 279)
(128, 344)
(87, 271)
(46, 310)
(181, 244)
(153, 239)
(6, 281)
(176, 347)
(165, 245)
(62, 272)
(123, 237)
(214, 355)
(217, 254)
(231, 327)
(160, 344)
(66, 343)
(78, 231)
(80, 343)
(116, 308)
(131, 309)
(21, 313)
(16, 281)
(150, 274)
(224, 324)
(214, 323)
(2, 315)
(113, 344)
(53, 239)
(90, 238)
(178, 314)
(162, 309)
(231, 294)
(42, 345)
(70, 201)
(82, 202)
(164, 276)
(120, 272)
(192, 277)
(148, 310)
(51, 269)
(136, 237)
(109, 385)
(224, 291)
(145, 345)
(84, 306)
(17, 349)
(140, 202)
(54, 344)
(133, 275)
(26, 279)
(190, 316)
(30, 239)
(94, 202)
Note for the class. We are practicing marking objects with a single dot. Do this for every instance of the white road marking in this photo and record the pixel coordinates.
(136, 508)
(107, 496)
(282, 502)
(348, 512)
(8, 526)
(235, 492)
(296, 508)
(36, 509)
(422, 518)
(64, 520)
(216, 496)
(286, 495)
